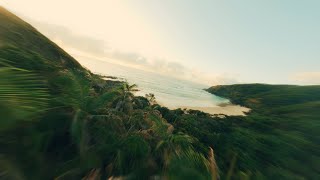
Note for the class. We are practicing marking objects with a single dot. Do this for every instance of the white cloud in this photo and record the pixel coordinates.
(68, 38)
(83, 46)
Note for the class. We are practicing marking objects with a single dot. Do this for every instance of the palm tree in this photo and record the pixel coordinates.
(180, 160)
(151, 98)
(95, 128)
(124, 102)
(173, 145)
(188, 165)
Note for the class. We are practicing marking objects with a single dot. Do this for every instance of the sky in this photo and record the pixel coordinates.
(210, 41)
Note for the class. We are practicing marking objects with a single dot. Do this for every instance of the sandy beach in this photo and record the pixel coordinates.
(230, 110)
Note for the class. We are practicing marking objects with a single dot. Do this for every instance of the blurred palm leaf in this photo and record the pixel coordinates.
(188, 165)
(175, 143)
(22, 94)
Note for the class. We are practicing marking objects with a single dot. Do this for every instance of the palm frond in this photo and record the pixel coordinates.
(22, 94)
(189, 164)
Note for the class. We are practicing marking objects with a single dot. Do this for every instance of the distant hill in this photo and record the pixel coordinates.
(288, 119)
(273, 96)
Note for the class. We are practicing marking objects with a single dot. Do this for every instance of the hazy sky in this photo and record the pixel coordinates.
(214, 41)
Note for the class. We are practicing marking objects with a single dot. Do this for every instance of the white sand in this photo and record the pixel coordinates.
(230, 110)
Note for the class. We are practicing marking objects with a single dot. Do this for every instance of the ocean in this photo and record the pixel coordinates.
(170, 92)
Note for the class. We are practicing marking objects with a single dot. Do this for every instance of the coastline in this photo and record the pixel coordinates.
(229, 110)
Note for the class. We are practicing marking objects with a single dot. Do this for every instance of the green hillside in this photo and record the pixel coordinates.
(19, 40)
(269, 96)
(284, 121)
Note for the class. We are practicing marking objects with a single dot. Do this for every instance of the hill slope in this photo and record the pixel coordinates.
(285, 120)
(18, 39)
(254, 95)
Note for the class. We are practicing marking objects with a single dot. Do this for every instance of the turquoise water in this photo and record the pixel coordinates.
(168, 91)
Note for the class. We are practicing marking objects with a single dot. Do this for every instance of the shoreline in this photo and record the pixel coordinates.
(229, 110)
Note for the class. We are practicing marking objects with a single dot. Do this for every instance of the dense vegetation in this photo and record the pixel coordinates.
(280, 136)
(60, 121)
